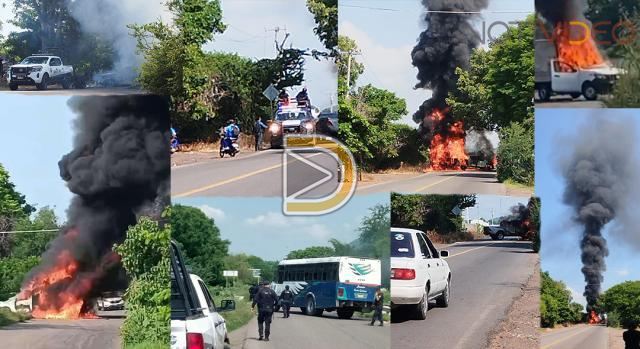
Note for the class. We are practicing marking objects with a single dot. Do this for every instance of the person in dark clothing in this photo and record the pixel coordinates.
(266, 299)
(259, 128)
(303, 98)
(286, 298)
(378, 301)
(252, 291)
(631, 338)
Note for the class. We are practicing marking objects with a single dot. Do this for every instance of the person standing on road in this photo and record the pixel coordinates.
(266, 299)
(631, 337)
(378, 301)
(286, 298)
(259, 127)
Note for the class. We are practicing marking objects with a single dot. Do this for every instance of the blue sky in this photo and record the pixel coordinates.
(560, 253)
(257, 226)
(488, 206)
(37, 133)
(247, 21)
(387, 30)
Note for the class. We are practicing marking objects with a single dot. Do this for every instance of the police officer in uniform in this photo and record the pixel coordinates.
(266, 299)
(286, 298)
(377, 307)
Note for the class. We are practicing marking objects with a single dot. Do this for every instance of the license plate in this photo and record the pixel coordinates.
(20, 77)
(361, 295)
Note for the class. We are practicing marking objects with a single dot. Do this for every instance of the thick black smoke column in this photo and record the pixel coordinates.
(118, 169)
(447, 43)
(556, 11)
(600, 173)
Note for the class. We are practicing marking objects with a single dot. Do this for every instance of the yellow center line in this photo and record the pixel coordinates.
(231, 180)
(436, 183)
(564, 339)
(473, 249)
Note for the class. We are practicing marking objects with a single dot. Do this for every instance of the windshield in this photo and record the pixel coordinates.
(401, 245)
(291, 116)
(35, 60)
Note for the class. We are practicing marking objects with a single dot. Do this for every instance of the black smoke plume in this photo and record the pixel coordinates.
(118, 169)
(447, 43)
(556, 11)
(600, 176)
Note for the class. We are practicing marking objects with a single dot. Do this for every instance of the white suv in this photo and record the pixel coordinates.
(418, 273)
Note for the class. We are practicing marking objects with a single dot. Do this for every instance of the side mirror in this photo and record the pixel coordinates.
(227, 305)
(444, 253)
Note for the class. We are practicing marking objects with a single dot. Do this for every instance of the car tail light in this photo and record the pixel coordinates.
(403, 274)
(195, 341)
(340, 291)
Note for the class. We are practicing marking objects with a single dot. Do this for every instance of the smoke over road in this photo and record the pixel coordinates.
(559, 11)
(118, 169)
(600, 176)
(108, 19)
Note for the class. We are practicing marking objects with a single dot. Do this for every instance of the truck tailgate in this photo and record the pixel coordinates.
(178, 334)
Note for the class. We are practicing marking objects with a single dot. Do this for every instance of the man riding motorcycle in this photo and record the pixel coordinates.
(229, 134)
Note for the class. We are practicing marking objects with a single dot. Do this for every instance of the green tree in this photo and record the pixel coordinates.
(625, 90)
(429, 212)
(608, 13)
(516, 154)
(325, 14)
(145, 256)
(312, 252)
(200, 242)
(34, 244)
(348, 67)
(556, 303)
(12, 273)
(13, 208)
(534, 221)
(624, 300)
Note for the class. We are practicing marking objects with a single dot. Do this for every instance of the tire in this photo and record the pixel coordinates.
(66, 84)
(221, 153)
(500, 236)
(544, 93)
(589, 91)
(13, 87)
(303, 310)
(443, 300)
(311, 307)
(233, 153)
(423, 307)
(493, 237)
(42, 86)
(575, 95)
(345, 313)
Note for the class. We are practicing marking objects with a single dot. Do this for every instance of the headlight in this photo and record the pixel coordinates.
(36, 68)
(274, 128)
(599, 76)
(308, 126)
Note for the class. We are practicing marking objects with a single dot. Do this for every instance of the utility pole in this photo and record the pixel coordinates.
(276, 31)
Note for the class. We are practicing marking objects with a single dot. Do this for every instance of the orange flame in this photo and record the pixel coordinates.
(61, 291)
(593, 318)
(447, 152)
(578, 51)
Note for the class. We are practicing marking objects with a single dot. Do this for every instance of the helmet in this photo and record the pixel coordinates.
(286, 287)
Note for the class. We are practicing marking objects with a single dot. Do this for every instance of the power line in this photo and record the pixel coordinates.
(30, 231)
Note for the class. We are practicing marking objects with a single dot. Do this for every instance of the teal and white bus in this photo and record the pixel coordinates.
(344, 284)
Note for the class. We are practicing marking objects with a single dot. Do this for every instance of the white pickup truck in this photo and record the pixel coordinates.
(195, 320)
(553, 76)
(40, 71)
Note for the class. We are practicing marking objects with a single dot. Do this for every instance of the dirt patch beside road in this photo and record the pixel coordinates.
(520, 329)
(615, 338)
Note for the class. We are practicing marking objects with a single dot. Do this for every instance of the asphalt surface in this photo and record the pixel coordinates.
(252, 174)
(103, 333)
(568, 102)
(487, 276)
(55, 90)
(441, 182)
(261, 175)
(576, 337)
(311, 332)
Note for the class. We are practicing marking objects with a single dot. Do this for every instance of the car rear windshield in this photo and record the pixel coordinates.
(401, 245)
(35, 60)
(291, 116)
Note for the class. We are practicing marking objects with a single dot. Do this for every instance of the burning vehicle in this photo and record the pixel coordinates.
(517, 224)
(567, 58)
(40, 70)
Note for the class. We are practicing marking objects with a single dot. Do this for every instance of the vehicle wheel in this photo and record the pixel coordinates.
(13, 87)
(233, 153)
(303, 310)
(576, 95)
(44, 83)
(311, 307)
(589, 91)
(423, 306)
(500, 236)
(544, 93)
(345, 313)
(443, 300)
(66, 84)
(493, 237)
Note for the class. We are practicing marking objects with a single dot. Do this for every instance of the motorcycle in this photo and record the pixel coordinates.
(175, 144)
(232, 150)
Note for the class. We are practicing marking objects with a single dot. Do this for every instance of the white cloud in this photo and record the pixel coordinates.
(276, 219)
(577, 297)
(622, 272)
(212, 212)
(318, 231)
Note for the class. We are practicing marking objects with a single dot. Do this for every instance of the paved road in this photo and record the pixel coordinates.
(310, 332)
(443, 182)
(250, 174)
(101, 333)
(260, 175)
(576, 337)
(58, 91)
(568, 102)
(486, 278)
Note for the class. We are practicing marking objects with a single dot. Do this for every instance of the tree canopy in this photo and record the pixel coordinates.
(429, 212)
(622, 301)
(325, 14)
(556, 303)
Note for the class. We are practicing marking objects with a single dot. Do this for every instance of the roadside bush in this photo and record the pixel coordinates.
(145, 257)
(7, 317)
(624, 300)
(12, 273)
(556, 304)
(515, 154)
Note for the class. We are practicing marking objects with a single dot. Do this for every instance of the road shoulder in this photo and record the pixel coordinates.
(520, 328)
(240, 335)
(615, 338)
